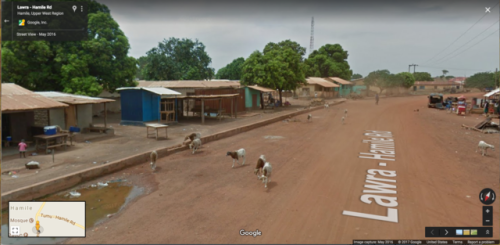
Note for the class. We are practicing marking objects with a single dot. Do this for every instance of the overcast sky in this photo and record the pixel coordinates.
(377, 34)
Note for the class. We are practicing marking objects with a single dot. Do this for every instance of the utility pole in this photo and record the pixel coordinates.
(311, 42)
(413, 68)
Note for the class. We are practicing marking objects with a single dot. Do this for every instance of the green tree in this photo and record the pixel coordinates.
(279, 67)
(232, 71)
(405, 79)
(141, 62)
(329, 61)
(356, 76)
(380, 78)
(423, 76)
(481, 80)
(177, 59)
(84, 67)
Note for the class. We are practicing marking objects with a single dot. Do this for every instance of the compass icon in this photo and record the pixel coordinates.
(487, 196)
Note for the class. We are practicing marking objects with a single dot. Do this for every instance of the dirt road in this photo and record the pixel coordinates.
(317, 174)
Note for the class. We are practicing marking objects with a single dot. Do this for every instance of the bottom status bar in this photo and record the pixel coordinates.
(417, 241)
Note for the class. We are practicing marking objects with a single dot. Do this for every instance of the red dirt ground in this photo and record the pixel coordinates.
(316, 175)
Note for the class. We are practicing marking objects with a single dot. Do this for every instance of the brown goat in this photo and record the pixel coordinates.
(192, 137)
(259, 166)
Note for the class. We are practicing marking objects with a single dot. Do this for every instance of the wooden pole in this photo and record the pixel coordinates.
(48, 117)
(232, 100)
(236, 109)
(202, 111)
(105, 116)
(220, 108)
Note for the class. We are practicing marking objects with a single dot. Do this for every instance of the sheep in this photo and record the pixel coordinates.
(236, 155)
(309, 117)
(343, 119)
(195, 144)
(345, 113)
(266, 175)
(153, 156)
(193, 136)
(260, 164)
(484, 147)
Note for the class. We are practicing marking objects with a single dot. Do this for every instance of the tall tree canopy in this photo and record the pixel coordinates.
(232, 71)
(405, 80)
(279, 67)
(481, 80)
(329, 61)
(83, 67)
(177, 59)
(379, 78)
(356, 76)
(423, 76)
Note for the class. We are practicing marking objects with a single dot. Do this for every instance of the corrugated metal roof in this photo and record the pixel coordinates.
(190, 84)
(214, 96)
(262, 89)
(496, 91)
(340, 80)
(321, 82)
(428, 83)
(17, 98)
(159, 91)
(73, 99)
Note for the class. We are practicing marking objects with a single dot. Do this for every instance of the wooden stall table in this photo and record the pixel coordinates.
(156, 127)
(50, 138)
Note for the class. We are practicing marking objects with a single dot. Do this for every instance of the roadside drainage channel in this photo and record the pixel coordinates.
(68, 181)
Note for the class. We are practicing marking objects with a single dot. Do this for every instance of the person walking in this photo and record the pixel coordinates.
(22, 149)
(376, 99)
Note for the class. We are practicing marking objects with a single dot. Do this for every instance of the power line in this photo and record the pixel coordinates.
(446, 56)
(448, 68)
(460, 35)
(471, 46)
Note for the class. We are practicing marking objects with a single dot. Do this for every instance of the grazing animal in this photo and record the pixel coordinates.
(345, 113)
(484, 147)
(326, 106)
(260, 164)
(343, 119)
(309, 117)
(266, 173)
(32, 165)
(154, 157)
(193, 136)
(195, 144)
(236, 155)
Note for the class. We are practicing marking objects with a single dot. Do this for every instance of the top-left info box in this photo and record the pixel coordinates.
(50, 21)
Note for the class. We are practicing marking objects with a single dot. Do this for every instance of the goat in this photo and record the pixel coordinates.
(153, 157)
(326, 106)
(195, 144)
(236, 155)
(343, 119)
(266, 175)
(32, 165)
(309, 117)
(193, 136)
(260, 164)
(484, 147)
(345, 113)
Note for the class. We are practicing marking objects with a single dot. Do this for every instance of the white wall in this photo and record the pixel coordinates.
(57, 118)
(84, 115)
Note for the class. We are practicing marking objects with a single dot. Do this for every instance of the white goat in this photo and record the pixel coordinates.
(343, 119)
(266, 173)
(484, 147)
(195, 144)
(236, 155)
(309, 117)
(154, 157)
(326, 106)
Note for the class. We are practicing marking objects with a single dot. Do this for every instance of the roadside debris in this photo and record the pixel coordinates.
(74, 194)
(14, 176)
(93, 185)
(32, 165)
(34, 154)
(102, 184)
(110, 215)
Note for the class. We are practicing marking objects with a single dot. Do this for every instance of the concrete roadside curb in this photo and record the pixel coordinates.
(68, 181)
